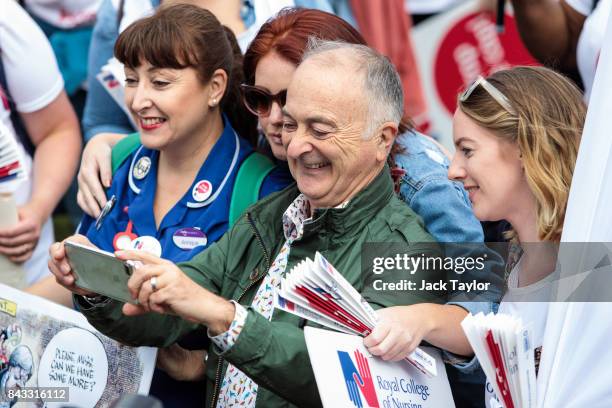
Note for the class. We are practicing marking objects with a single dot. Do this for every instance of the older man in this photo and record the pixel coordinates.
(341, 118)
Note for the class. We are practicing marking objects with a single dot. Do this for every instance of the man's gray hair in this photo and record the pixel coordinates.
(382, 83)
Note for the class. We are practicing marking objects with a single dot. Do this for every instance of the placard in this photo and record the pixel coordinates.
(348, 376)
(455, 47)
(47, 347)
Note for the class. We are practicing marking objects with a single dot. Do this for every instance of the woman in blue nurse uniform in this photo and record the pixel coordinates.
(171, 194)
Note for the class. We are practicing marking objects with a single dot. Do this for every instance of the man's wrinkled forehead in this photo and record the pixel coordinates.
(343, 63)
(329, 78)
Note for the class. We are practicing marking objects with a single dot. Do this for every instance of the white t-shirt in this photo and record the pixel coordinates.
(531, 312)
(65, 13)
(591, 38)
(34, 81)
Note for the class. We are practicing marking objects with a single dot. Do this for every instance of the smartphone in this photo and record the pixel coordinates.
(99, 271)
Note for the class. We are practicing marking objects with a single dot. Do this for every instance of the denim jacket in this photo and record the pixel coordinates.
(443, 204)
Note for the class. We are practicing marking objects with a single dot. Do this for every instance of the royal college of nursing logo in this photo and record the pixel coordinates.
(358, 379)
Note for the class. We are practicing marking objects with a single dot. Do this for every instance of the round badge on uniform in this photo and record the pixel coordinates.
(189, 238)
(202, 190)
(142, 167)
(147, 244)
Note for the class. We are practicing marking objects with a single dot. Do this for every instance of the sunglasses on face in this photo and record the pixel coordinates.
(492, 91)
(259, 101)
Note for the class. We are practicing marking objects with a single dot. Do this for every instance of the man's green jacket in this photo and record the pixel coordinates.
(273, 353)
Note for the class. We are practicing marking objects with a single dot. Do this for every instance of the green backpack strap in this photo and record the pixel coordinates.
(123, 149)
(249, 179)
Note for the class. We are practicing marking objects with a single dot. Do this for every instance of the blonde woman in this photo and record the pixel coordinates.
(516, 135)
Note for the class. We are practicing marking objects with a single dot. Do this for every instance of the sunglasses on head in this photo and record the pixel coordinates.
(259, 101)
(492, 91)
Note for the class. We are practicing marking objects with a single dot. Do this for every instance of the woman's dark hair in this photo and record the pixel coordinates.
(186, 36)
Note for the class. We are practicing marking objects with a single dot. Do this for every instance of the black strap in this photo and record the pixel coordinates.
(18, 125)
(120, 12)
(595, 4)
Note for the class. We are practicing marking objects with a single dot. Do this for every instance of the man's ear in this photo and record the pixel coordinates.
(218, 84)
(387, 133)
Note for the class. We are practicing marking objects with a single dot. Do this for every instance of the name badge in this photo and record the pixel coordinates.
(189, 238)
